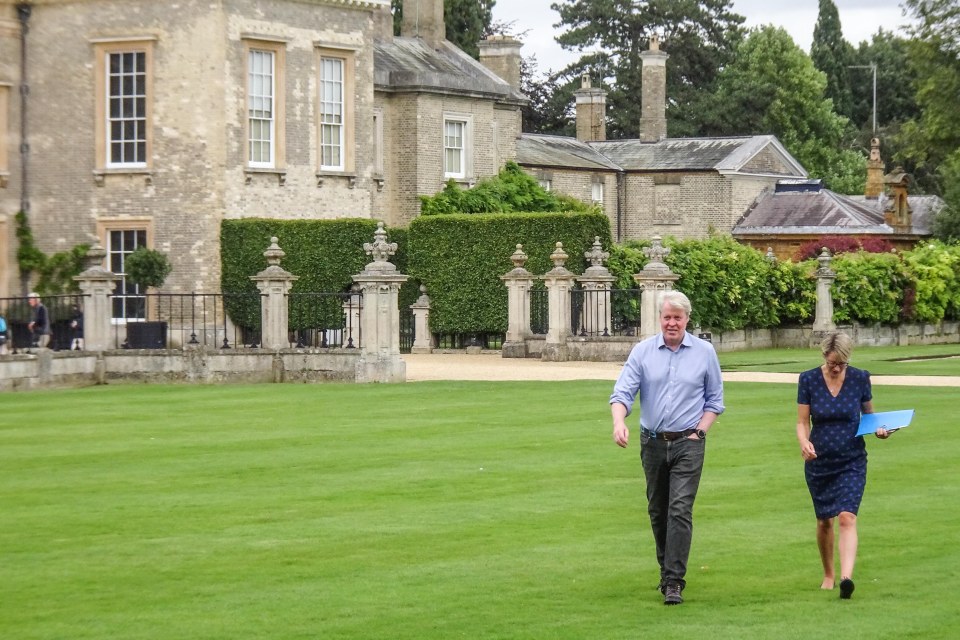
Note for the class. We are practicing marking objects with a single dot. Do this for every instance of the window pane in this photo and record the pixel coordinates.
(260, 122)
(331, 112)
(127, 108)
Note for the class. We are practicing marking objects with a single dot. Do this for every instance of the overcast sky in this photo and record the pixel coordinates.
(859, 19)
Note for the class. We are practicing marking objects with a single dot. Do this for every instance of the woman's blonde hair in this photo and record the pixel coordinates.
(837, 343)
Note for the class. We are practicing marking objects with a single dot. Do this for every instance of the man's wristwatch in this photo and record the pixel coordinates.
(701, 434)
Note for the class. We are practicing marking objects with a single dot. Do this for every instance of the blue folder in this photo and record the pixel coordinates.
(889, 420)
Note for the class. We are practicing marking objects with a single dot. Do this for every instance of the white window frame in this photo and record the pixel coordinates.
(141, 112)
(596, 192)
(332, 116)
(126, 112)
(127, 296)
(546, 184)
(464, 168)
(261, 108)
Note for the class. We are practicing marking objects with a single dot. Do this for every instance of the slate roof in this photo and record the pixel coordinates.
(923, 209)
(410, 64)
(560, 151)
(671, 154)
(794, 209)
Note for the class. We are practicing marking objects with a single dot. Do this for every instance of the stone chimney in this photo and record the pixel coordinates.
(591, 111)
(424, 19)
(653, 102)
(501, 54)
(874, 188)
(898, 214)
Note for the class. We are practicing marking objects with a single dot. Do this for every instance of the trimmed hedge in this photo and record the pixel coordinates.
(460, 258)
(325, 254)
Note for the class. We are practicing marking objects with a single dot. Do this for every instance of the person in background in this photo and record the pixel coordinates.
(40, 324)
(76, 328)
(3, 336)
(677, 377)
(831, 398)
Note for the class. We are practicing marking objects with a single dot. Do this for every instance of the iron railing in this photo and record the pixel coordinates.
(613, 312)
(325, 320)
(173, 320)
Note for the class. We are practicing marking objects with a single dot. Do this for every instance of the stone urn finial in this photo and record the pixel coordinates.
(559, 256)
(519, 258)
(274, 254)
(825, 259)
(94, 256)
(380, 249)
(597, 256)
(656, 253)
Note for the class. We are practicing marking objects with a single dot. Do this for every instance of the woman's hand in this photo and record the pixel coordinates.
(883, 434)
(807, 451)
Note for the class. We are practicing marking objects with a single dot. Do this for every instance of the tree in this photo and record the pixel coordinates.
(147, 268)
(467, 21)
(896, 97)
(946, 225)
(832, 55)
(934, 54)
(550, 109)
(773, 88)
(699, 35)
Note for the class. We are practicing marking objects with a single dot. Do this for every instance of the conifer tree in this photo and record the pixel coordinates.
(832, 55)
(698, 35)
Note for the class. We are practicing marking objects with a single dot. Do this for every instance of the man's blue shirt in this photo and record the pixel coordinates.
(675, 387)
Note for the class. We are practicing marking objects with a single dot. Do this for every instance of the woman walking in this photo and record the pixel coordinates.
(830, 400)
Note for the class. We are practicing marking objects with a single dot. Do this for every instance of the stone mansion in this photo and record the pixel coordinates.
(148, 122)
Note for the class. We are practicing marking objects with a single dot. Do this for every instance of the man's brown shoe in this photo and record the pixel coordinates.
(671, 594)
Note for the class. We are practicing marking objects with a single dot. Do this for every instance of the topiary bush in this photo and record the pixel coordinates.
(147, 268)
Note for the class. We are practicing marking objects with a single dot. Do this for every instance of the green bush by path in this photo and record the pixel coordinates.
(442, 510)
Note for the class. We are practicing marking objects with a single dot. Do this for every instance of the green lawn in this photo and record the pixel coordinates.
(915, 360)
(443, 510)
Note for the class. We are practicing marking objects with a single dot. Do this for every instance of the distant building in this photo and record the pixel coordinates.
(798, 211)
(149, 122)
(656, 185)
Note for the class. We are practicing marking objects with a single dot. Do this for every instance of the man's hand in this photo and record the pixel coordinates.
(621, 435)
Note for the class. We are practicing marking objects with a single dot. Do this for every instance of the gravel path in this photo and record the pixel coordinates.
(490, 366)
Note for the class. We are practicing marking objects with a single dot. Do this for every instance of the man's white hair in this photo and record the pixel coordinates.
(677, 300)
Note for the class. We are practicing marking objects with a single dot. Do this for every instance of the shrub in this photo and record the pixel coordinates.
(842, 244)
(935, 272)
(510, 191)
(869, 287)
(726, 282)
(147, 268)
(324, 254)
(460, 259)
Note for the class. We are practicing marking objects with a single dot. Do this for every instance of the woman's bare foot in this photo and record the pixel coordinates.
(827, 584)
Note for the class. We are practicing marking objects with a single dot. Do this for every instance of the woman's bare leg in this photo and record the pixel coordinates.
(825, 545)
(848, 543)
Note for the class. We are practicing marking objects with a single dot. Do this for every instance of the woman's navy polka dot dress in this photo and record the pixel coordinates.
(837, 476)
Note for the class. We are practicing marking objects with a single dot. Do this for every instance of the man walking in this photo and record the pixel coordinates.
(40, 324)
(677, 378)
